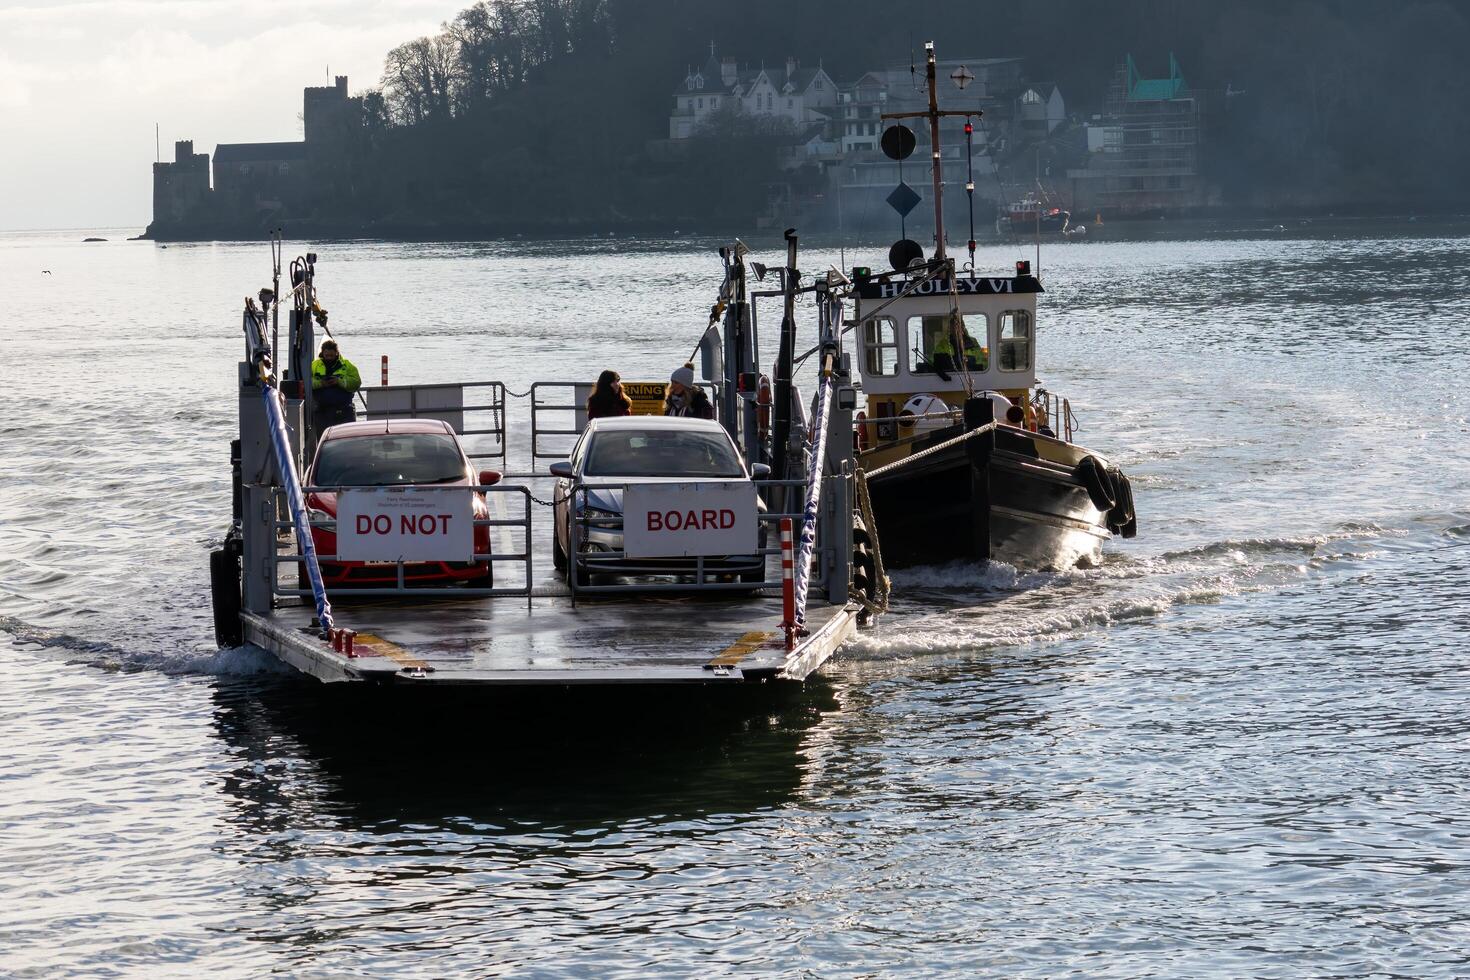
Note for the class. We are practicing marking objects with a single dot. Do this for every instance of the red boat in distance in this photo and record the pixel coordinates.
(1031, 216)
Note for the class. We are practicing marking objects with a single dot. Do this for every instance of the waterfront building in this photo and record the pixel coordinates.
(793, 94)
(1144, 152)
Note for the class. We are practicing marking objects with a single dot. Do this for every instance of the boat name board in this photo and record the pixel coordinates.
(405, 524)
(684, 520)
(963, 286)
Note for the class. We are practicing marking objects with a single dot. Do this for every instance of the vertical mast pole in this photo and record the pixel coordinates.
(1039, 199)
(781, 413)
(929, 72)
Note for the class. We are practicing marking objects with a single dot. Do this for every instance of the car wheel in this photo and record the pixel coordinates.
(754, 576)
(558, 556)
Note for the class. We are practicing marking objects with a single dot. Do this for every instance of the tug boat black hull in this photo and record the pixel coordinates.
(984, 501)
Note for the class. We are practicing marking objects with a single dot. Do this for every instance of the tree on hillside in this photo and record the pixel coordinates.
(524, 108)
(421, 79)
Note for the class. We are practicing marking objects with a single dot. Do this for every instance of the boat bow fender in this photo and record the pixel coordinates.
(1093, 475)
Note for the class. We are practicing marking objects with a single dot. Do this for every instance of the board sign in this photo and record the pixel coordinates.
(407, 523)
(683, 520)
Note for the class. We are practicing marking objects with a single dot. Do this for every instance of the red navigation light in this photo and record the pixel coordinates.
(1023, 268)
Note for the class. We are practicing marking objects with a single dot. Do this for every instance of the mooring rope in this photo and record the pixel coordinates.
(297, 502)
(260, 353)
(930, 451)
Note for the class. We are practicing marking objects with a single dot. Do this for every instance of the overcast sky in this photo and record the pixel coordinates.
(82, 83)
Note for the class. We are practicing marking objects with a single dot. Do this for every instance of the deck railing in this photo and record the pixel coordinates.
(559, 416)
(476, 410)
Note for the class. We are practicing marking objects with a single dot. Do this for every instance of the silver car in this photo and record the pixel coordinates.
(641, 449)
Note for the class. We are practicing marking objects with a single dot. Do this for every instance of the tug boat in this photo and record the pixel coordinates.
(964, 454)
(942, 486)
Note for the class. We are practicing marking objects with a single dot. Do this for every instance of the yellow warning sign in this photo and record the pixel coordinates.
(647, 396)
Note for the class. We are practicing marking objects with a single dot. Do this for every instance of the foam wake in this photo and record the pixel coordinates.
(236, 661)
(965, 606)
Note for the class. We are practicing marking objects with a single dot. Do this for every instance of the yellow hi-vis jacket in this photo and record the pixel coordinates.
(347, 377)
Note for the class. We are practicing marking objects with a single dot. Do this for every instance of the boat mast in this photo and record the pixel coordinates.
(930, 69)
(934, 114)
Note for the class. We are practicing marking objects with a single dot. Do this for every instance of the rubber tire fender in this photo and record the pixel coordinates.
(1094, 476)
(1123, 518)
(224, 589)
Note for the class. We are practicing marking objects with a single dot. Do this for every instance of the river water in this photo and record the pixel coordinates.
(1237, 748)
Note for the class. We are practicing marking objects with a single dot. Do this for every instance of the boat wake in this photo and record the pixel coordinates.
(962, 606)
(101, 655)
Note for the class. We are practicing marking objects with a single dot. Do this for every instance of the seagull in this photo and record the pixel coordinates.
(45, 272)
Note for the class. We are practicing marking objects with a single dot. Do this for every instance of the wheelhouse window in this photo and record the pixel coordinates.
(932, 347)
(880, 346)
(1015, 341)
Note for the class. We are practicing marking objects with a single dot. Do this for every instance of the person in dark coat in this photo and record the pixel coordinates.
(682, 398)
(607, 399)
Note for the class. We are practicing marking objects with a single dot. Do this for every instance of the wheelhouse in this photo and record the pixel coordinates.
(905, 344)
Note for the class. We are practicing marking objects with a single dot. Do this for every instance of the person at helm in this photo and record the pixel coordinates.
(944, 351)
(334, 379)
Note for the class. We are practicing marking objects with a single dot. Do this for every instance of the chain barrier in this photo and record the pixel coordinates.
(875, 601)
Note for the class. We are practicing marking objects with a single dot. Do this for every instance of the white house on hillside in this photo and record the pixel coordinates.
(796, 94)
(1040, 109)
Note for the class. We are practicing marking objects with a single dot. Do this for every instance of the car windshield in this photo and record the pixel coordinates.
(388, 460)
(666, 452)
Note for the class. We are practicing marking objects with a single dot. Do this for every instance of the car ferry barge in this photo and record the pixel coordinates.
(415, 564)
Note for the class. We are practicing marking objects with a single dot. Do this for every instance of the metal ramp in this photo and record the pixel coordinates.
(653, 641)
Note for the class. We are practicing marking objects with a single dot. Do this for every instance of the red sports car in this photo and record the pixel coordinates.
(392, 453)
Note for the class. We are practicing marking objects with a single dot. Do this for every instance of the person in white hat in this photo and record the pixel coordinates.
(683, 398)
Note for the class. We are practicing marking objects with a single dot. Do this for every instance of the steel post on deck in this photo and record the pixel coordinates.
(257, 498)
(788, 585)
(258, 548)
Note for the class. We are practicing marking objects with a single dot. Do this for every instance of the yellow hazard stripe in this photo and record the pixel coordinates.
(740, 649)
(370, 645)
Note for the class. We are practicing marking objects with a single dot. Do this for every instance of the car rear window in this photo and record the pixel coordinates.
(662, 453)
(388, 460)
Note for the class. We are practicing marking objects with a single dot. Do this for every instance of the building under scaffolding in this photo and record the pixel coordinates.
(1144, 153)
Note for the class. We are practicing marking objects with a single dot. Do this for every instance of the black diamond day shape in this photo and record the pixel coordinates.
(903, 199)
